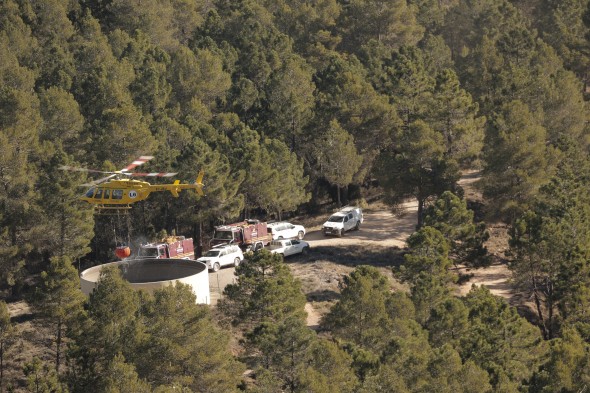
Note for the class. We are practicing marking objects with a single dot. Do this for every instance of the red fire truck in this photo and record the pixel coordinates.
(249, 235)
(175, 247)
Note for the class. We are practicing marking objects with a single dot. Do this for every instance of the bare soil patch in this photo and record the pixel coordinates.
(380, 242)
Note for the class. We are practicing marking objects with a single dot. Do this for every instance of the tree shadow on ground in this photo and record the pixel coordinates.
(354, 255)
(325, 295)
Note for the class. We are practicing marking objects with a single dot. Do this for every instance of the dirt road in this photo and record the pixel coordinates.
(381, 230)
(379, 243)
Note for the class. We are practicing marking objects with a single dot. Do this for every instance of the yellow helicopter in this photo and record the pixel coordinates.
(116, 193)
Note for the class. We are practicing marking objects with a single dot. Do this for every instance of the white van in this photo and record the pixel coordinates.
(223, 255)
(346, 219)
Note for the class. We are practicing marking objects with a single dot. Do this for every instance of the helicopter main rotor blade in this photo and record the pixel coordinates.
(153, 174)
(95, 182)
(140, 161)
(77, 169)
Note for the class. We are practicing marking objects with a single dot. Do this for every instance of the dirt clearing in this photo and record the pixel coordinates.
(380, 243)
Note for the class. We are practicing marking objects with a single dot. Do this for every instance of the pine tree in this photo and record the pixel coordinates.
(110, 327)
(265, 291)
(20, 122)
(447, 322)
(66, 225)
(62, 120)
(344, 95)
(551, 243)
(222, 199)
(567, 367)
(309, 25)
(516, 160)
(198, 75)
(455, 116)
(499, 340)
(284, 346)
(267, 303)
(291, 183)
(183, 347)
(360, 315)
(563, 25)
(392, 22)
(449, 215)
(59, 299)
(426, 270)
(332, 365)
(416, 167)
(121, 377)
(337, 157)
(41, 378)
(290, 100)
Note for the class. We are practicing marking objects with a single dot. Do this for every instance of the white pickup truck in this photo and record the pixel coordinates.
(349, 218)
(288, 247)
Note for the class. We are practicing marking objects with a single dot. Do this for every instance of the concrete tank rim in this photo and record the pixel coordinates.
(192, 263)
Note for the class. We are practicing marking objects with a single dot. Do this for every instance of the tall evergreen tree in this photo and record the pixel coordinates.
(564, 25)
(265, 291)
(551, 244)
(337, 157)
(290, 190)
(267, 303)
(500, 341)
(517, 160)
(20, 122)
(182, 346)
(345, 95)
(121, 377)
(454, 115)
(41, 378)
(449, 215)
(567, 368)
(110, 327)
(416, 167)
(391, 21)
(360, 315)
(66, 225)
(290, 101)
(59, 299)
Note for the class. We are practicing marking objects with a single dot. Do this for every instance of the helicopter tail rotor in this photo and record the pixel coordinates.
(199, 183)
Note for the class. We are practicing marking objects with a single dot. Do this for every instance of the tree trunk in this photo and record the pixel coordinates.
(550, 309)
(58, 349)
(420, 213)
(539, 309)
(199, 239)
(338, 193)
(1, 365)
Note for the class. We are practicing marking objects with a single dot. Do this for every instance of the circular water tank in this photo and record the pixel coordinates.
(152, 274)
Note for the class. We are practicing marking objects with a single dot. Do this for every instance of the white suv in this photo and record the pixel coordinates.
(286, 230)
(220, 256)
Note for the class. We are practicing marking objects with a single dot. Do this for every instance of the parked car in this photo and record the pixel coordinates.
(288, 247)
(286, 230)
(348, 218)
(223, 255)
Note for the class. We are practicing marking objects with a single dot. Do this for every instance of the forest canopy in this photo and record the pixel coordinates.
(290, 106)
